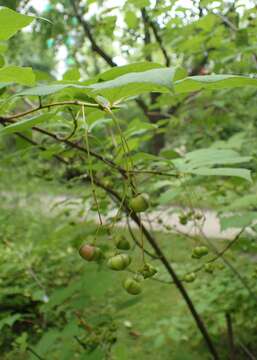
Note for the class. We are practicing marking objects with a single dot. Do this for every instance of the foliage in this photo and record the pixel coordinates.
(157, 137)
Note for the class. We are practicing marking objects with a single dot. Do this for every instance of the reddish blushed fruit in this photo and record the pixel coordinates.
(87, 251)
(90, 252)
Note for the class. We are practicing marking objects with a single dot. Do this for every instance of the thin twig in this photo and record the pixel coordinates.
(87, 29)
(137, 242)
(246, 351)
(48, 106)
(158, 38)
(34, 353)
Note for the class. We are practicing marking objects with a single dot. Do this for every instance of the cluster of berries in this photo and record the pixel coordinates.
(121, 260)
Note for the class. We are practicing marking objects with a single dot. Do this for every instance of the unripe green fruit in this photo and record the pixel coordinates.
(199, 251)
(148, 271)
(132, 286)
(139, 203)
(198, 216)
(183, 219)
(190, 277)
(209, 268)
(122, 243)
(98, 254)
(107, 183)
(204, 250)
(119, 262)
(90, 252)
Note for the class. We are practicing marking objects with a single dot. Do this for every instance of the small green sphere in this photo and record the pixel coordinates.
(122, 243)
(132, 286)
(119, 262)
(183, 219)
(209, 268)
(190, 277)
(199, 251)
(139, 203)
(148, 271)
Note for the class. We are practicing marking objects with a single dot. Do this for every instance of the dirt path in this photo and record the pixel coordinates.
(170, 216)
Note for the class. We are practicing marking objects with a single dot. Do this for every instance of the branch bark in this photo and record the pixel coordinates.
(86, 27)
(150, 23)
(231, 345)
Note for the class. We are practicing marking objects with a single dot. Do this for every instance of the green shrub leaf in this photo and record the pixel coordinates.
(11, 22)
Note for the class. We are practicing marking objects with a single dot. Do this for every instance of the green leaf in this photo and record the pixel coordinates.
(25, 124)
(47, 341)
(2, 61)
(212, 156)
(244, 202)
(212, 82)
(10, 320)
(132, 84)
(136, 83)
(242, 173)
(72, 74)
(131, 19)
(168, 196)
(11, 22)
(204, 162)
(44, 90)
(60, 295)
(17, 74)
(125, 69)
(3, 48)
(237, 221)
(140, 3)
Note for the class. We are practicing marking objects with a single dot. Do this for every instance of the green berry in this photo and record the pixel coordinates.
(199, 251)
(119, 262)
(209, 268)
(204, 250)
(190, 277)
(132, 286)
(148, 271)
(198, 216)
(183, 219)
(107, 183)
(122, 243)
(139, 203)
(167, 227)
